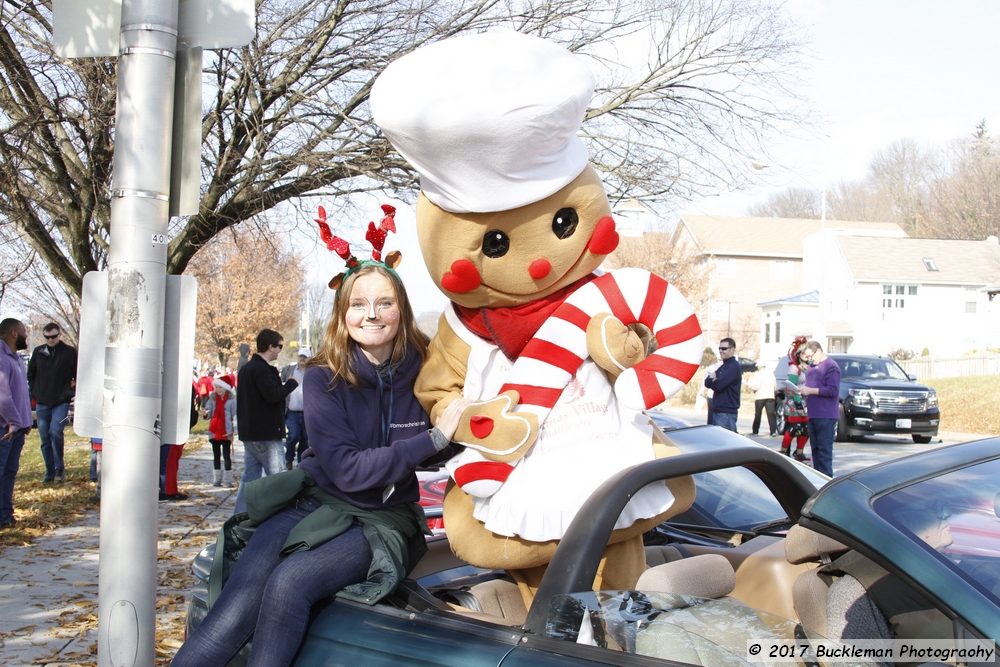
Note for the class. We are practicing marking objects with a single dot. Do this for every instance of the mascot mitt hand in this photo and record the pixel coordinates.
(495, 439)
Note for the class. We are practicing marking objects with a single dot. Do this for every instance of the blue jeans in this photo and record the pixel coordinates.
(726, 420)
(51, 422)
(260, 458)
(270, 597)
(10, 461)
(295, 423)
(164, 458)
(821, 443)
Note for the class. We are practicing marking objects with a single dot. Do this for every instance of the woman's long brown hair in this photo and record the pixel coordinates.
(336, 352)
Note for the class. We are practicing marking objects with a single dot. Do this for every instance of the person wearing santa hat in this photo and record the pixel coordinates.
(220, 412)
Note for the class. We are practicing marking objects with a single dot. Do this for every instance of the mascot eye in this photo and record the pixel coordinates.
(495, 243)
(564, 223)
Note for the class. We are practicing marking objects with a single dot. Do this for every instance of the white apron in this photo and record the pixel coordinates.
(587, 438)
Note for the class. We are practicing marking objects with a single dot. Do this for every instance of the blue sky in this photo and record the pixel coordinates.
(877, 71)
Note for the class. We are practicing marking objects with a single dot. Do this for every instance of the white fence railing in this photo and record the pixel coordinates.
(926, 368)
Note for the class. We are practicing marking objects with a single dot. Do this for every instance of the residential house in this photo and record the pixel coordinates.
(749, 260)
(872, 295)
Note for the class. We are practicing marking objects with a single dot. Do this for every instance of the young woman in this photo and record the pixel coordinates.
(796, 419)
(367, 433)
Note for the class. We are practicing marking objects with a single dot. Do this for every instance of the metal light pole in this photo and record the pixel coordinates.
(134, 344)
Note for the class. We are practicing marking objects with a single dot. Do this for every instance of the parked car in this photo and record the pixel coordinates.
(450, 613)
(878, 396)
(747, 365)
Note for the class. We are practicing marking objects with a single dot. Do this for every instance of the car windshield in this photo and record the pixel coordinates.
(957, 516)
(679, 628)
(734, 498)
(870, 369)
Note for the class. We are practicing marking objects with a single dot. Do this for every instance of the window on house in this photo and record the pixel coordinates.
(777, 332)
(767, 332)
(929, 263)
(781, 269)
(970, 307)
(725, 268)
(898, 290)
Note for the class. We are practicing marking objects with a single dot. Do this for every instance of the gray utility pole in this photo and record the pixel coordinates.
(134, 345)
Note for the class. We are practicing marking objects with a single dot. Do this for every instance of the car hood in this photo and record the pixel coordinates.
(882, 385)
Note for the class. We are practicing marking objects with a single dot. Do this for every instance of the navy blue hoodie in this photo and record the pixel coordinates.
(355, 449)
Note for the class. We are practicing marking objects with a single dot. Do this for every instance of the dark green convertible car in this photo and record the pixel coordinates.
(906, 549)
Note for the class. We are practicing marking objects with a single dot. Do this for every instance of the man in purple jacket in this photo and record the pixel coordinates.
(15, 412)
(822, 392)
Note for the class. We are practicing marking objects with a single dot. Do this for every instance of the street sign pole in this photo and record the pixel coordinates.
(134, 333)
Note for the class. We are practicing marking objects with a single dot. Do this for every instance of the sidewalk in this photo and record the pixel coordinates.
(48, 591)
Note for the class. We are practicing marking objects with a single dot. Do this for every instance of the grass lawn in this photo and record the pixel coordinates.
(39, 507)
(969, 404)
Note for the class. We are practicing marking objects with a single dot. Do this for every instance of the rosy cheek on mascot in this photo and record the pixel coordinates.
(514, 224)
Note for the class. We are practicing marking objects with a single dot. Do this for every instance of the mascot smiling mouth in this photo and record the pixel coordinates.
(464, 277)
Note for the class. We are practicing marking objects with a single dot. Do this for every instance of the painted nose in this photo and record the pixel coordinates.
(539, 269)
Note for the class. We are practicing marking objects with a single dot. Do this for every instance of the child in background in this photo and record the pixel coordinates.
(796, 418)
(220, 410)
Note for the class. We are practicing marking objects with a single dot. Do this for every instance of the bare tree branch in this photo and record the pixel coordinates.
(689, 90)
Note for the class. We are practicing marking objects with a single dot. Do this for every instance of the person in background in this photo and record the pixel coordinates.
(244, 357)
(725, 383)
(705, 394)
(170, 459)
(822, 393)
(220, 415)
(96, 446)
(15, 412)
(762, 385)
(294, 421)
(794, 407)
(205, 386)
(52, 378)
(349, 522)
(260, 413)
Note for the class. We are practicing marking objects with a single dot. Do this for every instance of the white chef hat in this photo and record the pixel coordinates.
(489, 120)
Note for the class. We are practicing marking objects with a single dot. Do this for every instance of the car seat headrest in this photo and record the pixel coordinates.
(705, 576)
(803, 545)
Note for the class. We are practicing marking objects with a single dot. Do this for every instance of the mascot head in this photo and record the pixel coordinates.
(509, 209)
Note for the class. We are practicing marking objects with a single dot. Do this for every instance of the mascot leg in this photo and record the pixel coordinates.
(620, 567)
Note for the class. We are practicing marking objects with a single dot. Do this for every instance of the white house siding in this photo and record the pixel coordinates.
(934, 318)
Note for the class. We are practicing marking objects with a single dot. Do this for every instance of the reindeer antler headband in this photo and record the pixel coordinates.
(375, 235)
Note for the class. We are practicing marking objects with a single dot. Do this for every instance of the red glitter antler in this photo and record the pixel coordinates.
(388, 223)
(375, 236)
(335, 243)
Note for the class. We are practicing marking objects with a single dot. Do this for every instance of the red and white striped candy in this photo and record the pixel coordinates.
(553, 356)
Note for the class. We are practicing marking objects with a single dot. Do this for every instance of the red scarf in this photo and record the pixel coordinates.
(510, 329)
(218, 424)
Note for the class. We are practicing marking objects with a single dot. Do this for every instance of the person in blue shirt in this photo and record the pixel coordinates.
(15, 412)
(725, 383)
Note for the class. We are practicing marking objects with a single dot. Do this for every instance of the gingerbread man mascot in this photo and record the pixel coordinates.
(514, 224)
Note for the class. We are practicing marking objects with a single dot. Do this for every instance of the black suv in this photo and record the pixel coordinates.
(877, 396)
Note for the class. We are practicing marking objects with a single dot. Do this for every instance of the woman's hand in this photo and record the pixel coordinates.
(448, 421)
